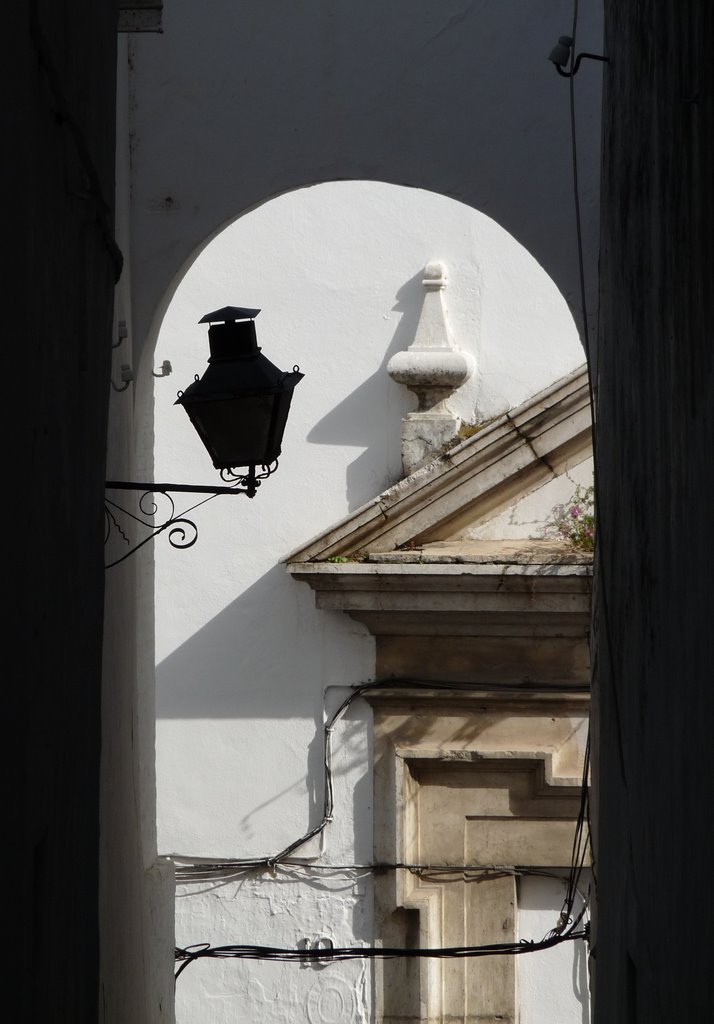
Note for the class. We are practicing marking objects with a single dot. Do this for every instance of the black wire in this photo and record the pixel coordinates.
(468, 873)
(565, 930)
(186, 872)
(593, 378)
(190, 954)
(581, 844)
(592, 375)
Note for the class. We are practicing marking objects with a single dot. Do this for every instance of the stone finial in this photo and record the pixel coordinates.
(433, 368)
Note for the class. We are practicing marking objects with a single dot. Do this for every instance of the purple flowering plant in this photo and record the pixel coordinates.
(574, 521)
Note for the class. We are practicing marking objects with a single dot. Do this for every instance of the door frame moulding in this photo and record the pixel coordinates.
(425, 735)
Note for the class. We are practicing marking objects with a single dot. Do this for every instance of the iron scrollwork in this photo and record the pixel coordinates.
(182, 532)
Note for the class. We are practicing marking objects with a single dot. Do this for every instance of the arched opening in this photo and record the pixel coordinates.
(247, 667)
(336, 269)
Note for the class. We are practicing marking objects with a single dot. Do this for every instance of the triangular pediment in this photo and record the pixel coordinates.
(441, 504)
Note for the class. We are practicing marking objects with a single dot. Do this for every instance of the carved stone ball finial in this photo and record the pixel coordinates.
(433, 368)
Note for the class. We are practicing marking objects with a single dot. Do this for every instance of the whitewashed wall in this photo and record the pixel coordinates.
(247, 668)
(234, 103)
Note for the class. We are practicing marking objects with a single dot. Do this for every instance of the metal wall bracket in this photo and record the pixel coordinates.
(182, 532)
(581, 56)
(562, 55)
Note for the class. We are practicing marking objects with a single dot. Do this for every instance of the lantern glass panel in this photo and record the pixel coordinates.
(236, 431)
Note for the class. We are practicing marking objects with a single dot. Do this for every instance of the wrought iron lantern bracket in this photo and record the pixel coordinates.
(182, 531)
(239, 408)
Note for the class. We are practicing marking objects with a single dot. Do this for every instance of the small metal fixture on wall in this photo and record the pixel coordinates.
(560, 55)
(239, 408)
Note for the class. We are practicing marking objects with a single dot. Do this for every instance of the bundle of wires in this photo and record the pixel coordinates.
(250, 952)
(568, 928)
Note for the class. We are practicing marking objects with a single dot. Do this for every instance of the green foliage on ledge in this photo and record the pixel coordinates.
(574, 521)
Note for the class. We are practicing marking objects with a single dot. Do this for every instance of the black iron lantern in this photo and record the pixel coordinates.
(240, 405)
(239, 408)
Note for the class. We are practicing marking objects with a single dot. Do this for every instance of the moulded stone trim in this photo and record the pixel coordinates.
(483, 779)
(446, 600)
(506, 459)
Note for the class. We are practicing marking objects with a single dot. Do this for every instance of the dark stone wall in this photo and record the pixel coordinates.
(58, 189)
(655, 470)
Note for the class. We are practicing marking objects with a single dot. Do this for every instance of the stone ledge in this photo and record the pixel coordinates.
(550, 553)
(511, 456)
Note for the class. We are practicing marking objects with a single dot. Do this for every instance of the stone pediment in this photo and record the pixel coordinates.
(469, 484)
(409, 565)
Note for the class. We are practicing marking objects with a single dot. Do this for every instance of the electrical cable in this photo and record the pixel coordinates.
(315, 874)
(592, 371)
(593, 380)
(566, 928)
(581, 844)
(187, 955)
(190, 954)
(203, 871)
(199, 870)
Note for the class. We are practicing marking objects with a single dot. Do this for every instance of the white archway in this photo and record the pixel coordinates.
(246, 665)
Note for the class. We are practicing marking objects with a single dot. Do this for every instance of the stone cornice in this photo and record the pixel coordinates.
(458, 599)
(471, 482)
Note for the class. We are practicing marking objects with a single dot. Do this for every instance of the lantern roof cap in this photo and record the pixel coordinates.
(228, 314)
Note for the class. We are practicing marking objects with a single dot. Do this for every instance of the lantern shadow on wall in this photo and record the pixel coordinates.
(239, 408)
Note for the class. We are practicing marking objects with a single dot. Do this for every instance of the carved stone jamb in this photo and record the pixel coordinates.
(433, 368)
(488, 783)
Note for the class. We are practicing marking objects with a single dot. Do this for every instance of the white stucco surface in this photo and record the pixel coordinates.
(237, 642)
(534, 514)
(552, 984)
(247, 667)
(238, 103)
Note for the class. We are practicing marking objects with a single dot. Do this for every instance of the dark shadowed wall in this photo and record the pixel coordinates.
(655, 380)
(58, 178)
